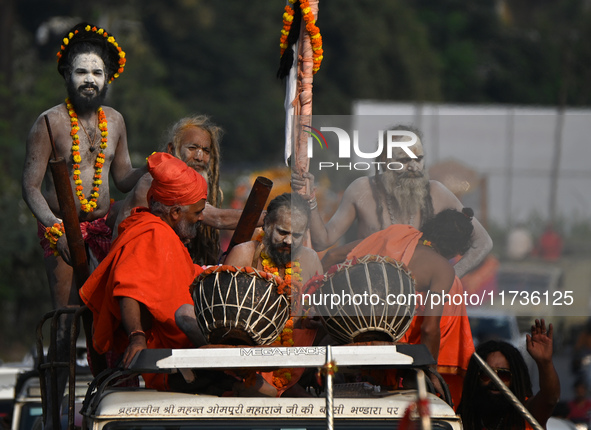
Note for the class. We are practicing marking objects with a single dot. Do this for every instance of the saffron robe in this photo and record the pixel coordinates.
(148, 263)
(399, 242)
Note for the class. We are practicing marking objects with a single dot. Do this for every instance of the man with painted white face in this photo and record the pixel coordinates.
(402, 196)
(92, 139)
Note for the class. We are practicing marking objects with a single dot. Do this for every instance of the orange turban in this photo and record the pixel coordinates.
(174, 182)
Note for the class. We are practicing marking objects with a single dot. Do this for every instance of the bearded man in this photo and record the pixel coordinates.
(196, 141)
(93, 141)
(284, 227)
(134, 293)
(483, 406)
(404, 196)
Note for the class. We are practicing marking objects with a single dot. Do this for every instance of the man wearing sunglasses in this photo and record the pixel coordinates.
(483, 406)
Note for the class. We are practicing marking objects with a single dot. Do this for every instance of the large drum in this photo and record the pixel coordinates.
(366, 299)
(239, 306)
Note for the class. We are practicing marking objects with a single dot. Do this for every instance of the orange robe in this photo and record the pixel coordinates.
(456, 345)
(148, 263)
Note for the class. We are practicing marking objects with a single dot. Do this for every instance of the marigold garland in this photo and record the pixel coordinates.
(315, 37)
(292, 280)
(86, 205)
(110, 39)
(287, 21)
(52, 234)
(311, 27)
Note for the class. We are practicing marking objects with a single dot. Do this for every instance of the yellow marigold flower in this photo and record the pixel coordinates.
(306, 10)
(87, 28)
(286, 17)
(111, 39)
(77, 158)
(100, 31)
(66, 41)
(76, 172)
(122, 54)
(70, 35)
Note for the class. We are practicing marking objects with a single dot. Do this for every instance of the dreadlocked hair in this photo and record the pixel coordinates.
(450, 232)
(520, 385)
(205, 248)
(290, 201)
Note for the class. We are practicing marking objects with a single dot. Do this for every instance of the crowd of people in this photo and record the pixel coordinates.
(146, 250)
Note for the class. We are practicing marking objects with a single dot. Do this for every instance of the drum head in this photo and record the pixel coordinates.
(367, 299)
(239, 306)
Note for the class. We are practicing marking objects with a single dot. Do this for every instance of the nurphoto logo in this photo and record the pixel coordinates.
(387, 141)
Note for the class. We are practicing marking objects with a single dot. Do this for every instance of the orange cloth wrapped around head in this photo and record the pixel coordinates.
(174, 183)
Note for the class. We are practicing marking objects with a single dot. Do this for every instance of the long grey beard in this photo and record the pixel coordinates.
(410, 193)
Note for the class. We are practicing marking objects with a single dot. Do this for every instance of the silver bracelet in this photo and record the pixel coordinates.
(313, 204)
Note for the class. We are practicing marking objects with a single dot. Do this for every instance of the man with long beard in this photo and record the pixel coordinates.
(483, 406)
(404, 196)
(196, 141)
(285, 224)
(93, 141)
(135, 291)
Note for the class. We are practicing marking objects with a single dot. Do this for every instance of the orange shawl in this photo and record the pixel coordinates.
(150, 264)
(399, 242)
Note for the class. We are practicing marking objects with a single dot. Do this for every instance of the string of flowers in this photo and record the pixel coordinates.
(287, 21)
(52, 234)
(110, 39)
(86, 205)
(292, 280)
(311, 27)
(315, 37)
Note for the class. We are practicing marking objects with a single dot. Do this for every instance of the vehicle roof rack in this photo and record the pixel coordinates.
(390, 356)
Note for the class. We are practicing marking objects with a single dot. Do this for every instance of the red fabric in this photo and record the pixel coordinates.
(457, 346)
(96, 233)
(150, 264)
(580, 411)
(174, 183)
(550, 246)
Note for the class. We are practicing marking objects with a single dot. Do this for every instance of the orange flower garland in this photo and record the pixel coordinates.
(311, 27)
(110, 39)
(87, 206)
(52, 234)
(315, 37)
(292, 278)
(287, 21)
